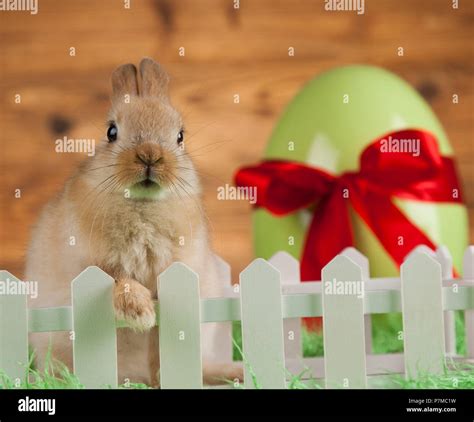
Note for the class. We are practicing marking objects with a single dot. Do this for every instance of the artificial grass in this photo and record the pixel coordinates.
(456, 376)
(386, 336)
(56, 375)
(53, 376)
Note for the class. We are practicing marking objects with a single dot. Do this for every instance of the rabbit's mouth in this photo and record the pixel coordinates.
(146, 189)
(148, 183)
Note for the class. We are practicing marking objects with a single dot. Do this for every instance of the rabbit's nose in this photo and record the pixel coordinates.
(149, 154)
(148, 161)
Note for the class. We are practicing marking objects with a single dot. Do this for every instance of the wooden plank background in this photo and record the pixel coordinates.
(228, 51)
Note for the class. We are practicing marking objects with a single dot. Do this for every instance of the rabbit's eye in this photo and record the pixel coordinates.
(180, 137)
(112, 133)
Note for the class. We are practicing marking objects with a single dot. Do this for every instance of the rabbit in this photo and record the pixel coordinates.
(132, 209)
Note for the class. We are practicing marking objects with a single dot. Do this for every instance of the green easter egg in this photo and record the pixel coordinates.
(327, 125)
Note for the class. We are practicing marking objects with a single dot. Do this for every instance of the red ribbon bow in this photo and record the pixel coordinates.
(284, 187)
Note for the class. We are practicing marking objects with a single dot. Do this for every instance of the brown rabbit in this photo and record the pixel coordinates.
(132, 209)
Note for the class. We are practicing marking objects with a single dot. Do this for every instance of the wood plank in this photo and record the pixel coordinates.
(468, 274)
(289, 269)
(180, 328)
(423, 326)
(444, 258)
(216, 338)
(50, 319)
(95, 337)
(244, 33)
(13, 329)
(363, 262)
(295, 304)
(34, 62)
(343, 324)
(223, 340)
(262, 326)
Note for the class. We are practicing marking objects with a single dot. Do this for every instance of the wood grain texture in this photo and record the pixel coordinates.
(227, 51)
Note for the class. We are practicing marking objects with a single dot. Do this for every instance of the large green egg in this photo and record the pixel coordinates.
(327, 125)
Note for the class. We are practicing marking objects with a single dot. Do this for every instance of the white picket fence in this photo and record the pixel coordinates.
(270, 301)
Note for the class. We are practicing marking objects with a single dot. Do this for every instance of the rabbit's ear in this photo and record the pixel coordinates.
(154, 78)
(124, 82)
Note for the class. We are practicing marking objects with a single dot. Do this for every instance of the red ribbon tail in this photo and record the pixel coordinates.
(325, 240)
(396, 233)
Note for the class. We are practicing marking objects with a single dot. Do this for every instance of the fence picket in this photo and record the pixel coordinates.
(468, 274)
(180, 328)
(421, 249)
(343, 324)
(444, 258)
(95, 337)
(13, 330)
(419, 294)
(262, 326)
(423, 325)
(289, 268)
(221, 350)
(363, 262)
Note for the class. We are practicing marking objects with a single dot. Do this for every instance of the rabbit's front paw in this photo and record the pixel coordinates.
(133, 303)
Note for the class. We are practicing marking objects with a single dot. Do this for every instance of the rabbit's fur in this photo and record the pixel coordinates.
(105, 217)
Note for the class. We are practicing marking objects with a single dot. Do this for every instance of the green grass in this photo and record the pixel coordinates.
(56, 375)
(458, 376)
(454, 376)
(386, 338)
(386, 330)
